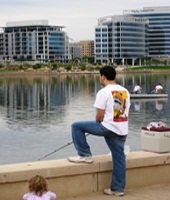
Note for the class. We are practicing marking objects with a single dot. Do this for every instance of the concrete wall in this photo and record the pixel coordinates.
(69, 179)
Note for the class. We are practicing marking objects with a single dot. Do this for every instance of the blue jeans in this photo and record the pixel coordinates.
(114, 142)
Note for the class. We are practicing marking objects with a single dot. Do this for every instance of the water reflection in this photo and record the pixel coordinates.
(159, 105)
(43, 96)
(36, 113)
(156, 104)
(137, 106)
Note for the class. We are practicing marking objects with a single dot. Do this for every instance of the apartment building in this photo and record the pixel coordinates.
(87, 48)
(33, 41)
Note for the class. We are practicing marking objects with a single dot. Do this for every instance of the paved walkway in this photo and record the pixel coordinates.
(161, 192)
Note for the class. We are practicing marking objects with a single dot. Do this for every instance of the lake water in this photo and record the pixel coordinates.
(36, 114)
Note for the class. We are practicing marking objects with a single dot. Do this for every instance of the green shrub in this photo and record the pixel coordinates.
(1, 65)
(55, 65)
(68, 67)
(97, 67)
(37, 65)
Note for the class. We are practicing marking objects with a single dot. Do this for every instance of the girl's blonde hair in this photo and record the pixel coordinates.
(38, 185)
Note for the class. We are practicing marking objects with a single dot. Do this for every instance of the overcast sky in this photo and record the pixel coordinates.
(79, 17)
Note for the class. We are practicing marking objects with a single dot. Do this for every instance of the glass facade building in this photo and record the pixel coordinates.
(158, 32)
(133, 35)
(101, 43)
(33, 41)
(120, 39)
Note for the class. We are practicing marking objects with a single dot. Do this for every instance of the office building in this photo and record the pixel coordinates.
(120, 39)
(136, 34)
(158, 30)
(33, 41)
(75, 50)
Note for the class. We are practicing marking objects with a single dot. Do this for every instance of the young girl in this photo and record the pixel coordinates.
(38, 189)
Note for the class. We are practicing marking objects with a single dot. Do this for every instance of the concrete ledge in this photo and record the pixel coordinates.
(69, 179)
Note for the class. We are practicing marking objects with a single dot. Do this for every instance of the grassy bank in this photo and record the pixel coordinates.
(48, 72)
(147, 68)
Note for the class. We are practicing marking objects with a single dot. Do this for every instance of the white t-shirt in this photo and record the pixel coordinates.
(46, 196)
(137, 88)
(115, 100)
(158, 87)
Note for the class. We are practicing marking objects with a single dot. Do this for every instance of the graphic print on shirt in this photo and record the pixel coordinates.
(119, 105)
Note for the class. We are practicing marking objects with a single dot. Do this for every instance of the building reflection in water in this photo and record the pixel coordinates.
(20, 96)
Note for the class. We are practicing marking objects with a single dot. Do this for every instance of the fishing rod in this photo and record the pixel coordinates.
(56, 150)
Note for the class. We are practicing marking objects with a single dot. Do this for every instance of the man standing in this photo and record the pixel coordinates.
(112, 104)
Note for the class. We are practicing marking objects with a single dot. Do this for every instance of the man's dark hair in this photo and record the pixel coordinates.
(109, 72)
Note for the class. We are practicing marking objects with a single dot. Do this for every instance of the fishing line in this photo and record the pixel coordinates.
(56, 150)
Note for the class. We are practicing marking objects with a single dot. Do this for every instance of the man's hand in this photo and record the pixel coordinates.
(99, 115)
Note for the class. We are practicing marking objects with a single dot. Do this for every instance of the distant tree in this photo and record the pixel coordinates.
(68, 67)
(88, 59)
(1, 65)
(37, 65)
(83, 66)
(97, 67)
(55, 65)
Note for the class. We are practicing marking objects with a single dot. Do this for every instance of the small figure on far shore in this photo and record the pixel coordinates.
(137, 89)
(38, 189)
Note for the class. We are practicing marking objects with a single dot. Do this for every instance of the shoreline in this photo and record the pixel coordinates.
(53, 73)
